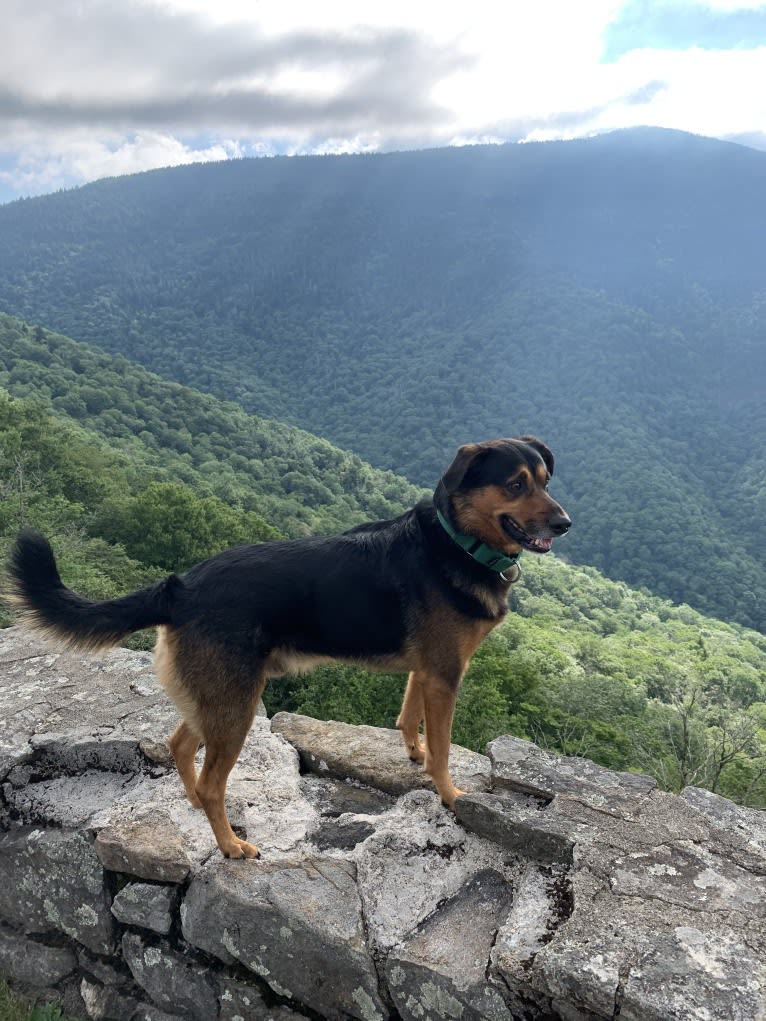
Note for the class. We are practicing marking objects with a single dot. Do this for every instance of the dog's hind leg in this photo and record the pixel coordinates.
(411, 717)
(224, 736)
(184, 744)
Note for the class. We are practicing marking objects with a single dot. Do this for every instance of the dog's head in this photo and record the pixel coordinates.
(499, 492)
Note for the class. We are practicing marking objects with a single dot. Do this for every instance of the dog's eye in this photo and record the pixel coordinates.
(517, 487)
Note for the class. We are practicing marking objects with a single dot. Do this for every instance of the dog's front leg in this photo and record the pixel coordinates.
(439, 698)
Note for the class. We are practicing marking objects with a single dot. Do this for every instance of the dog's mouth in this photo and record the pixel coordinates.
(534, 543)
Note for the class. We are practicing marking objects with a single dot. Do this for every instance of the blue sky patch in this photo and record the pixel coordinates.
(658, 25)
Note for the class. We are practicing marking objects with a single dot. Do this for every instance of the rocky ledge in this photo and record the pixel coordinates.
(560, 890)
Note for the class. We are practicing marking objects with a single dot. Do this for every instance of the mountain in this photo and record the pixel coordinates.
(154, 431)
(605, 294)
(132, 476)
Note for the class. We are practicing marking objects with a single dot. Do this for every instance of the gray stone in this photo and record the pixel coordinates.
(418, 858)
(540, 904)
(147, 844)
(175, 983)
(332, 798)
(150, 1013)
(31, 963)
(519, 825)
(52, 881)
(105, 971)
(742, 830)
(521, 766)
(107, 1002)
(691, 877)
(80, 750)
(241, 1001)
(440, 971)
(297, 924)
(689, 975)
(345, 832)
(626, 911)
(371, 755)
(44, 690)
(69, 801)
(143, 904)
(627, 901)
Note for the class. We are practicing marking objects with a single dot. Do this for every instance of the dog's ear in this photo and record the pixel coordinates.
(466, 456)
(541, 449)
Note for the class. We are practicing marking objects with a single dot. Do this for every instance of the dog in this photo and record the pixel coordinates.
(416, 593)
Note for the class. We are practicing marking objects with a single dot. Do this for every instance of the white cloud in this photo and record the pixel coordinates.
(99, 87)
(47, 167)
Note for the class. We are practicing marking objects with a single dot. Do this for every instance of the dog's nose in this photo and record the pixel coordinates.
(560, 523)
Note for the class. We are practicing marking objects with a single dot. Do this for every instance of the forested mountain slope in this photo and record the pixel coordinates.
(606, 294)
(163, 432)
(582, 665)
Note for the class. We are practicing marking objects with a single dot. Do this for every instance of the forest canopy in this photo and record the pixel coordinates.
(583, 665)
(605, 294)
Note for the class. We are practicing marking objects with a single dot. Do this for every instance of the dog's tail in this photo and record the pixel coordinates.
(48, 605)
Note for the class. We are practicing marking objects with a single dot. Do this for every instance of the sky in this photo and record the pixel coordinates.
(98, 88)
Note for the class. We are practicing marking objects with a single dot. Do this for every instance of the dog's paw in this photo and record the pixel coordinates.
(416, 752)
(449, 798)
(240, 849)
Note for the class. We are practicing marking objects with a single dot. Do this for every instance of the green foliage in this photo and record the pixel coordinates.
(12, 1009)
(167, 525)
(159, 431)
(605, 294)
(582, 665)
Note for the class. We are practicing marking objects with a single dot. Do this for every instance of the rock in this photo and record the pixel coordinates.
(149, 1013)
(344, 832)
(741, 830)
(440, 971)
(148, 844)
(52, 881)
(297, 924)
(519, 825)
(107, 1002)
(175, 983)
(371, 756)
(45, 690)
(541, 901)
(684, 875)
(241, 1001)
(418, 858)
(637, 882)
(32, 963)
(332, 798)
(689, 974)
(148, 906)
(521, 766)
(558, 890)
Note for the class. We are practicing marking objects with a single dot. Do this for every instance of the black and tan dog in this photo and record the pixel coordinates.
(417, 593)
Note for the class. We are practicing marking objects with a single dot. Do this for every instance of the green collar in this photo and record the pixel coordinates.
(480, 551)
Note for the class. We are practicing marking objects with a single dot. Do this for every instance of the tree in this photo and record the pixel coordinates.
(167, 525)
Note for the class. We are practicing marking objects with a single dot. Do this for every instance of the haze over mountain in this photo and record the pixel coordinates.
(605, 294)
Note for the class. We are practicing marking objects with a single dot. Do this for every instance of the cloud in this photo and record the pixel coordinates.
(102, 87)
(52, 165)
(96, 87)
(137, 66)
